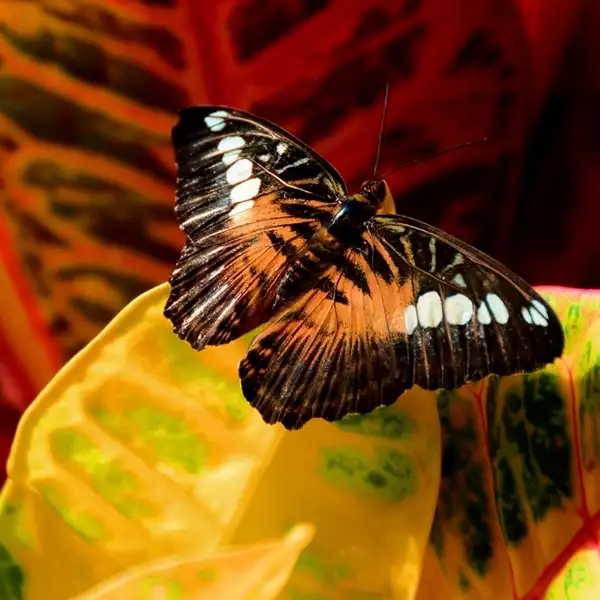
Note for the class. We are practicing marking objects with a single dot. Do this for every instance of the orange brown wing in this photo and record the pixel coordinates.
(334, 351)
(415, 306)
(249, 197)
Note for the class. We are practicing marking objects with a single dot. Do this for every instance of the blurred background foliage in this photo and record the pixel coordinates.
(89, 92)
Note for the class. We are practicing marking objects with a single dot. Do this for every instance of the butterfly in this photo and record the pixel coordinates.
(359, 305)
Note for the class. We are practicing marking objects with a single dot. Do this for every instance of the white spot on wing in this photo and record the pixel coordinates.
(458, 259)
(241, 207)
(498, 308)
(459, 309)
(429, 309)
(230, 146)
(245, 191)
(239, 171)
(293, 165)
(539, 313)
(214, 121)
(540, 307)
(231, 157)
(483, 314)
(410, 319)
(526, 315)
(281, 148)
(232, 142)
(432, 250)
(459, 280)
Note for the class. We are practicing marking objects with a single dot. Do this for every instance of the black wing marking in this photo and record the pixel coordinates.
(249, 197)
(227, 157)
(427, 310)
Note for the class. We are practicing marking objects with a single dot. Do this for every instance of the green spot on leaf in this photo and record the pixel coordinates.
(12, 579)
(206, 574)
(109, 420)
(537, 425)
(383, 422)
(589, 406)
(163, 588)
(108, 478)
(13, 519)
(191, 374)
(170, 438)
(464, 504)
(529, 435)
(86, 526)
(573, 318)
(512, 515)
(311, 563)
(391, 475)
(314, 565)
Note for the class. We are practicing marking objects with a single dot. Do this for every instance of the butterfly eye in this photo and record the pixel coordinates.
(374, 190)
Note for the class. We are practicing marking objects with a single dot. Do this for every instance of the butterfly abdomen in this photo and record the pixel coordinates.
(325, 247)
(307, 268)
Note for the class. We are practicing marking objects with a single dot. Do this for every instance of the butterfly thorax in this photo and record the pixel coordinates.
(328, 243)
(349, 221)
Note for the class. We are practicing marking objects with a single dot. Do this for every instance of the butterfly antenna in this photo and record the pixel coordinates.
(382, 127)
(433, 155)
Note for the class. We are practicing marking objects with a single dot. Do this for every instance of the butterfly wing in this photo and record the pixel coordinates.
(332, 352)
(249, 197)
(416, 306)
(470, 315)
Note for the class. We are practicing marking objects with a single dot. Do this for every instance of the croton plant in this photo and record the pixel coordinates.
(141, 473)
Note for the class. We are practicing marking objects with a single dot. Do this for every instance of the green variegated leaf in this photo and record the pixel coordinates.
(141, 459)
(520, 488)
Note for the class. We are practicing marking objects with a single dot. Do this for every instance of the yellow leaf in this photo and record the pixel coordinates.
(142, 449)
(258, 572)
(579, 579)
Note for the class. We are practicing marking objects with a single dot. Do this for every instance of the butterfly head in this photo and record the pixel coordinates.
(378, 195)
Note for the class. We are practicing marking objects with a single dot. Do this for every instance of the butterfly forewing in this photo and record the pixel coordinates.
(470, 315)
(229, 161)
(249, 197)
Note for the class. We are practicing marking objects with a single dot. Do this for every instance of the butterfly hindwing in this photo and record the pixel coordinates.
(415, 306)
(221, 292)
(330, 353)
(249, 197)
